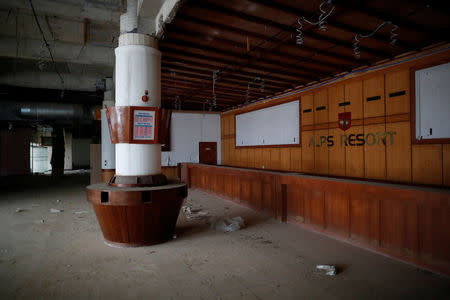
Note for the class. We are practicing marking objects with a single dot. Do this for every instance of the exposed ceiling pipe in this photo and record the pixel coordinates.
(55, 111)
(129, 20)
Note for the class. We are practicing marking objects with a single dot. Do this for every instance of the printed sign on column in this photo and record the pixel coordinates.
(144, 125)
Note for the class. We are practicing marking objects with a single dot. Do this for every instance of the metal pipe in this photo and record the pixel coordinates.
(55, 111)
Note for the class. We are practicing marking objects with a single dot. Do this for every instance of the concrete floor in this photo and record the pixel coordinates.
(65, 256)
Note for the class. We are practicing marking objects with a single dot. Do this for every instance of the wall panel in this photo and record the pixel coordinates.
(274, 159)
(375, 152)
(354, 95)
(427, 164)
(258, 158)
(336, 154)
(354, 155)
(296, 159)
(316, 205)
(308, 151)
(294, 203)
(285, 159)
(446, 164)
(307, 108)
(364, 216)
(398, 152)
(251, 157)
(337, 212)
(244, 158)
(336, 101)
(373, 93)
(397, 92)
(265, 158)
(321, 152)
(321, 106)
(399, 226)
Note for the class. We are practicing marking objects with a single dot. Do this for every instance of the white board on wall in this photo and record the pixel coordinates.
(433, 102)
(275, 125)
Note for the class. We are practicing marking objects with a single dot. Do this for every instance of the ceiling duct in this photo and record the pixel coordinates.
(55, 111)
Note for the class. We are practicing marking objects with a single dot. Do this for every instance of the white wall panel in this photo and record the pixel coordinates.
(186, 131)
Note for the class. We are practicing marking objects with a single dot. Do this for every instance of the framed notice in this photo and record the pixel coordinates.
(145, 125)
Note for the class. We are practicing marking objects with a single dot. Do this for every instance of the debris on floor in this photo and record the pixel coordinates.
(227, 224)
(329, 269)
(81, 212)
(56, 211)
(193, 213)
(18, 210)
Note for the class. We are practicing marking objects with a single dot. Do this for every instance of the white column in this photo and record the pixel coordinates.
(108, 149)
(138, 68)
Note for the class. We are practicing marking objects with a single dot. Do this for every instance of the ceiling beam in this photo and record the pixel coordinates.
(303, 74)
(186, 76)
(172, 66)
(330, 22)
(211, 68)
(362, 7)
(316, 51)
(191, 73)
(173, 52)
(187, 84)
(288, 28)
(260, 52)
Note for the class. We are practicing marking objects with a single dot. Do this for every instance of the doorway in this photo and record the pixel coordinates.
(208, 153)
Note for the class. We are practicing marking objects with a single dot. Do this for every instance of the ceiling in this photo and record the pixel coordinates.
(251, 43)
(250, 40)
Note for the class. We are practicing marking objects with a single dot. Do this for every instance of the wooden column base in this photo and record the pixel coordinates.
(138, 181)
(139, 216)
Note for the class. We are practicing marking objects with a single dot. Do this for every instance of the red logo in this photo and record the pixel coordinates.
(345, 120)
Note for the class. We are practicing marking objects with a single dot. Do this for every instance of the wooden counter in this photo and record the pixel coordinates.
(411, 223)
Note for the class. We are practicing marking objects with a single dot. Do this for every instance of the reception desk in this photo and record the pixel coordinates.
(411, 223)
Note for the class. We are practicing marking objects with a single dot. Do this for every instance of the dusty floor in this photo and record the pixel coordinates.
(65, 256)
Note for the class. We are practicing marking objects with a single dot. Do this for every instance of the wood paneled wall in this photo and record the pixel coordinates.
(409, 223)
(379, 103)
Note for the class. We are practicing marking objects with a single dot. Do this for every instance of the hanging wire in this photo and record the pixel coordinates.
(47, 45)
(208, 103)
(394, 35)
(321, 23)
(299, 36)
(214, 96)
(177, 103)
(261, 87)
(358, 36)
